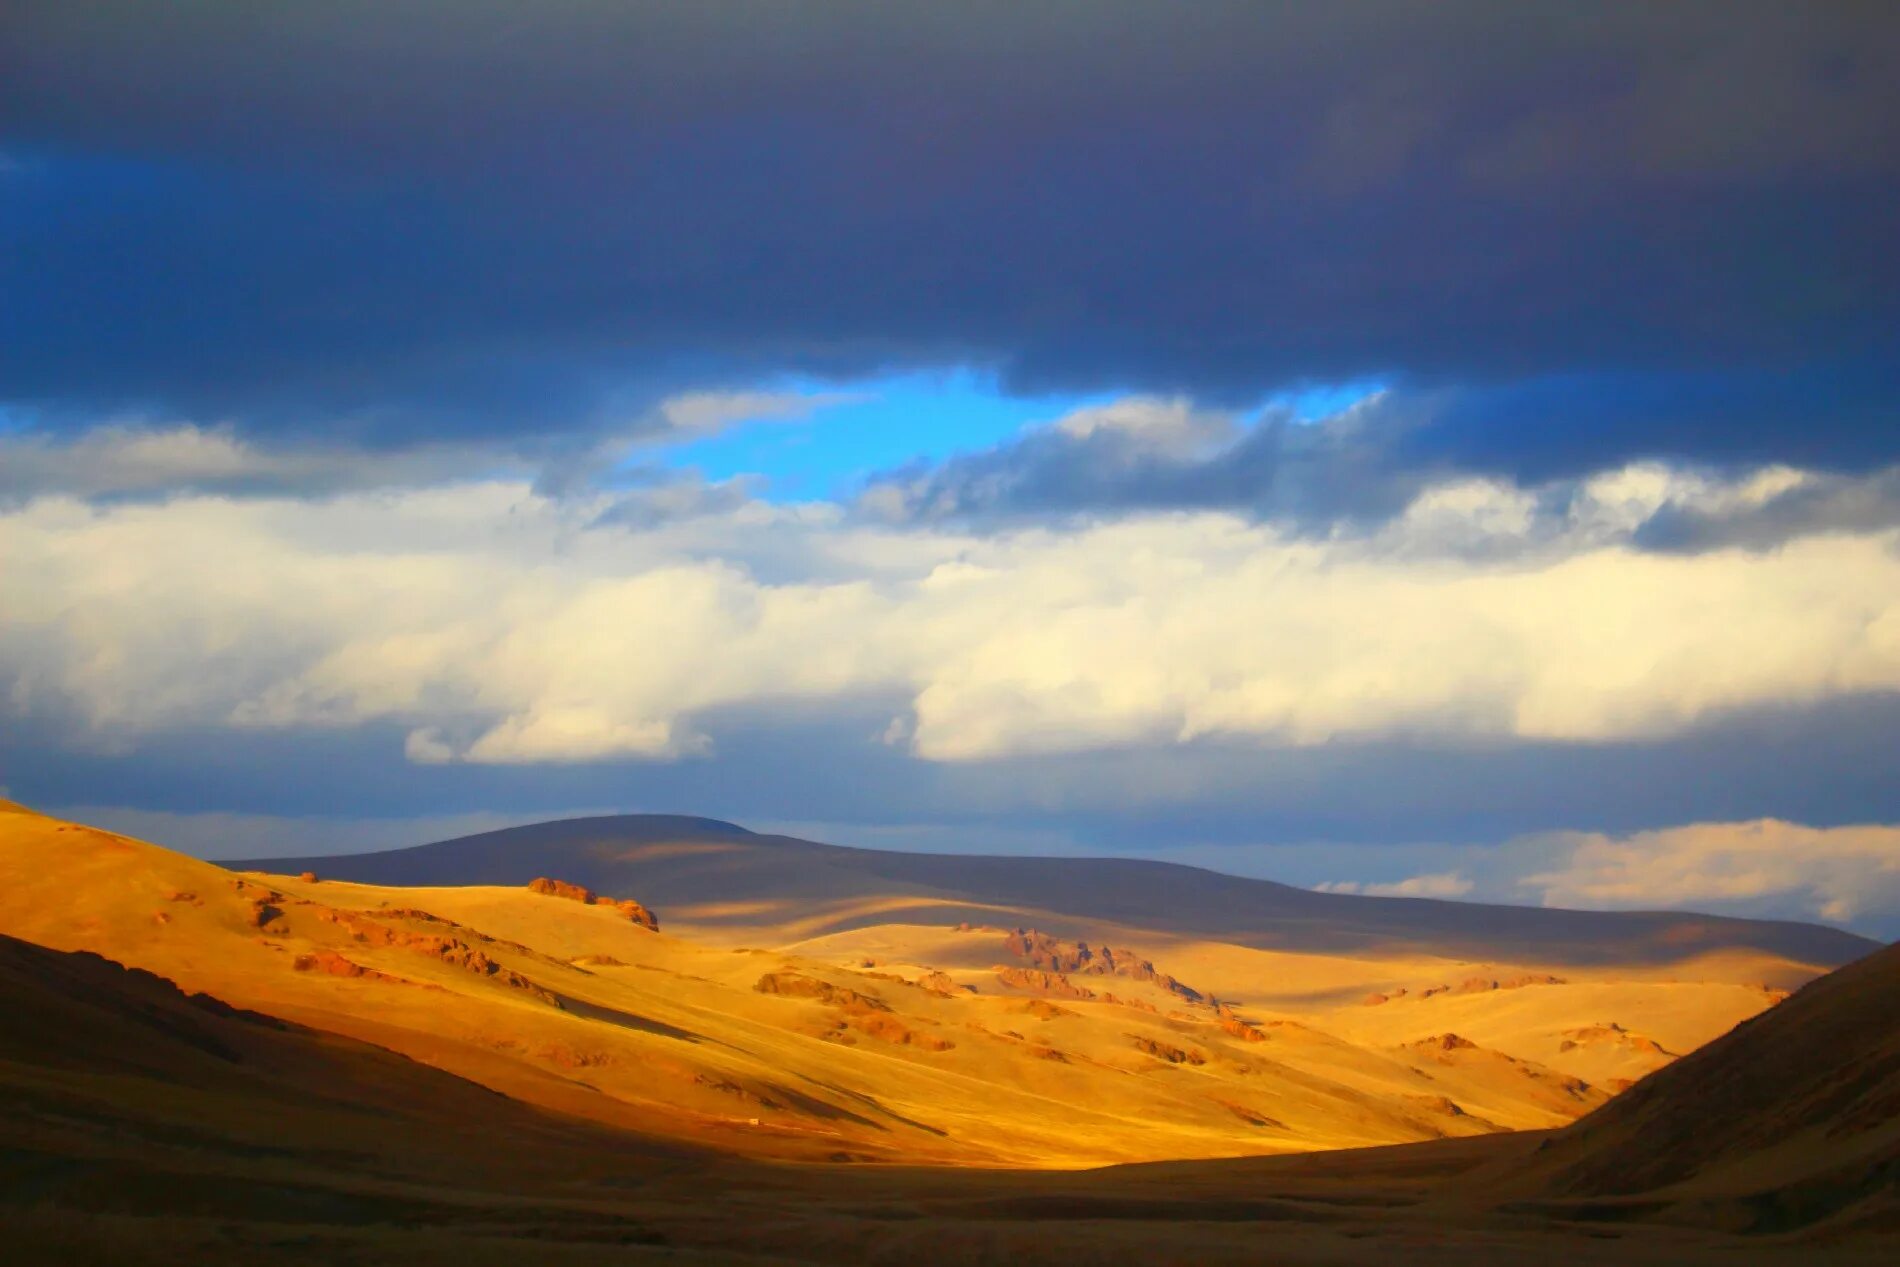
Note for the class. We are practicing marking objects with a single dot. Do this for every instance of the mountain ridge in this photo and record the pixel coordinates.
(691, 862)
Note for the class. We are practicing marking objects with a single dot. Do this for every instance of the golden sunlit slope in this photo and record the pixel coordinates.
(1604, 997)
(578, 1008)
(140, 1127)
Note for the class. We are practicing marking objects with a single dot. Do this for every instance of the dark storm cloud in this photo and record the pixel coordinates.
(1311, 476)
(1832, 504)
(1353, 472)
(405, 218)
(1841, 414)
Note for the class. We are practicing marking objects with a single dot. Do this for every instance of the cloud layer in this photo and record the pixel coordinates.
(1837, 874)
(1843, 875)
(1357, 471)
(502, 626)
(1651, 231)
(134, 458)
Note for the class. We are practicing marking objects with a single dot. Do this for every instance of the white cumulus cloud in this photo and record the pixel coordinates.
(1441, 884)
(1833, 873)
(496, 624)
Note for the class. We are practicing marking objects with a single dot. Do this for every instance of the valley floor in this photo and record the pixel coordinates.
(1377, 1206)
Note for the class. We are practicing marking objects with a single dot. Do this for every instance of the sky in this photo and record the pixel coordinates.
(1446, 450)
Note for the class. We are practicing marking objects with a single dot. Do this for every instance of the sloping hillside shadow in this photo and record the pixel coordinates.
(628, 1020)
(876, 1106)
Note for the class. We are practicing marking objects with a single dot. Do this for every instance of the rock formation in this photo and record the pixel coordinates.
(457, 953)
(1167, 1051)
(1050, 954)
(797, 985)
(633, 910)
(1043, 982)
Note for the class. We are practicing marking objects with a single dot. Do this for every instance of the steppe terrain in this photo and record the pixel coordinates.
(896, 1059)
(1017, 1028)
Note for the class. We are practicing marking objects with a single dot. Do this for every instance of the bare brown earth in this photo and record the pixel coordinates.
(890, 1091)
(142, 1126)
(770, 1052)
(898, 1041)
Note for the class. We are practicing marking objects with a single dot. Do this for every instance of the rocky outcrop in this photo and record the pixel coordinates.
(573, 1057)
(335, 965)
(561, 888)
(450, 950)
(1166, 1051)
(887, 1028)
(1439, 1104)
(1252, 1117)
(1240, 1029)
(938, 981)
(796, 985)
(1444, 1042)
(1042, 982)
(1051, 954)
(1483, 985)
(858, 1014)
(634, 911)
(1613, 1035)
(1140, 1005)
(1477, 985)
(262, 908)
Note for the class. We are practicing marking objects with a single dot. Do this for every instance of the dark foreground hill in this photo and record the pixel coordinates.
(139, 1125)
(1791, 1118)
(673, 862)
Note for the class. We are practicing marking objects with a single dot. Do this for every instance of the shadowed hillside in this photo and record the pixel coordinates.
(1794, 1116)
(139, 1124)
(711, 873)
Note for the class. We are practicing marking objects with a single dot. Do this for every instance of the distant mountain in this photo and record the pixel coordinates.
(726, 873)
(1795, 1114)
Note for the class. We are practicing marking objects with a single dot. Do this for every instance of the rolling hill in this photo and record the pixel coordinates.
(1602, 997)
(142, 1126)
(1054, 1039)
(767, 1052)
(716, 877)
